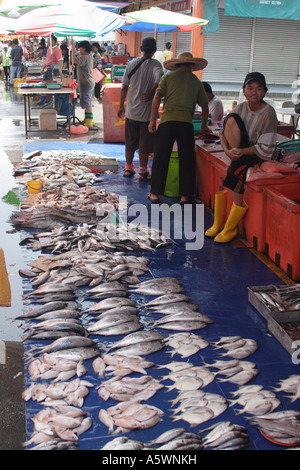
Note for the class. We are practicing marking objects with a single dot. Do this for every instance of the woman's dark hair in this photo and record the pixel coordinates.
(168, 45)
(97, 45)
(85, 45)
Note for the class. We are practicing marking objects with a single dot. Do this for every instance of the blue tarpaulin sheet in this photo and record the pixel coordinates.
(216, 277)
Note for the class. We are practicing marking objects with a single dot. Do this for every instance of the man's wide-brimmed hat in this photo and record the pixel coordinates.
(186, 58)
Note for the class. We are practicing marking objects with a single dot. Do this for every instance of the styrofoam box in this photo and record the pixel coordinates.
(47, 119)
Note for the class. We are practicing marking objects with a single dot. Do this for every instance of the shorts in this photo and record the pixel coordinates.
(138, 137)
(237, 170)
(86, 99)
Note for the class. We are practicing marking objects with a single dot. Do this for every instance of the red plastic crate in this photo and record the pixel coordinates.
(283, 227)
(254, 222)
(113, 126)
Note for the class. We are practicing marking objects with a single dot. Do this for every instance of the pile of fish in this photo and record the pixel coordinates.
(59, 427)
(185, 344)
(129, 415)
(60, 157)
(103, 235)
(290, 385)
(66, 205)
(226, 436)
(282, 427)
(80, 269)
(235, 371)
(174, 439)
(236, 346)
(58, 174)
(280, 298)
(255, 400)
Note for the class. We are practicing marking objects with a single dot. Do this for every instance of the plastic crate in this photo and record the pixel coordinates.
(113, 126)
(254, 222)
(283, 227)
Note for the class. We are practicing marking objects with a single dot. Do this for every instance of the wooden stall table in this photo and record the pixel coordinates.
(29, 92)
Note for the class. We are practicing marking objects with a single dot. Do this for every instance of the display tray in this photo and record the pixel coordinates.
(283, 324)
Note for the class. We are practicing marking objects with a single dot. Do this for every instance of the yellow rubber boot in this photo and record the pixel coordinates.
(220, 214)
(230, 230)
(88, 122)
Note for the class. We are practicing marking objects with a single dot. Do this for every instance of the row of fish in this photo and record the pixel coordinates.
(106, 235)
(66, 205)
(76, 157)
(280, 298)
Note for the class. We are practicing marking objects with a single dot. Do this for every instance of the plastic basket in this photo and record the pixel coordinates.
(172, 182)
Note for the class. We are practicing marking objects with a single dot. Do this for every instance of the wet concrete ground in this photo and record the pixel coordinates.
(12, 138)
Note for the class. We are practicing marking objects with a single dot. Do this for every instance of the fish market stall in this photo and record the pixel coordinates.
(136, 341)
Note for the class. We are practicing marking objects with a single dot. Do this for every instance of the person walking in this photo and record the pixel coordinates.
(5, 62)
(181, 91)
(84, 61)
(140, 80)
(16, 55)
(248, 138)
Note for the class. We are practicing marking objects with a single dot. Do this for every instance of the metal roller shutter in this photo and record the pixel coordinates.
(228, 51)
(183, 42)
(276, 50)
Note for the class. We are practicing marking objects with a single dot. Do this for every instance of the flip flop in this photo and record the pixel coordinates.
(129, 174)
(144, 176)
(188, 201)
(152, 199)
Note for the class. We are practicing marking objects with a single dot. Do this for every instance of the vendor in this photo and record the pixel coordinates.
(248, 138)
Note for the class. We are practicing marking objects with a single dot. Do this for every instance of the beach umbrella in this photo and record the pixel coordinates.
(78, 19)
(155, 20)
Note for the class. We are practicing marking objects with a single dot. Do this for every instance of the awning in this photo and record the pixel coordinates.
(279, 9)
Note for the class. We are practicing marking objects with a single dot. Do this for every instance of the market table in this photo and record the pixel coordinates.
(27, 93)
(292, 113)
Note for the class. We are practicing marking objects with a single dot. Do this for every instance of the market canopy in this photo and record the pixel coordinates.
(16, 8)
(156, 19)
(80, 20)
(281, 9)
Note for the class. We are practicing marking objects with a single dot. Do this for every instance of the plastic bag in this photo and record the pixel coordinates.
(79, 129)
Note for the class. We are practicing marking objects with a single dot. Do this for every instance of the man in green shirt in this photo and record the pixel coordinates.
(181, 91)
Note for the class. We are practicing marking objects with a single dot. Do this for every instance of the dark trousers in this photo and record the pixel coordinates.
(167, 133)
(237, 170)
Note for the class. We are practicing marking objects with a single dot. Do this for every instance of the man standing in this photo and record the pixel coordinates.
(140, 80)
(181, 91)
(16, 61)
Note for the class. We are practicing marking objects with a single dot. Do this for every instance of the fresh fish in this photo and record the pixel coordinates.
(195, 416)
(140, 349)
(181, 325)
(168, 298)
(67, 343)
(135, 338)
(110, 303)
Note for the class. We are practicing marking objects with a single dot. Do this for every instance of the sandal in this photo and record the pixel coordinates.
(152, 199)
(144, 176)
(188, 201)
(128, 173)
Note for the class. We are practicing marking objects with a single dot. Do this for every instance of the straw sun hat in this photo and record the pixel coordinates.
(186, 58)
